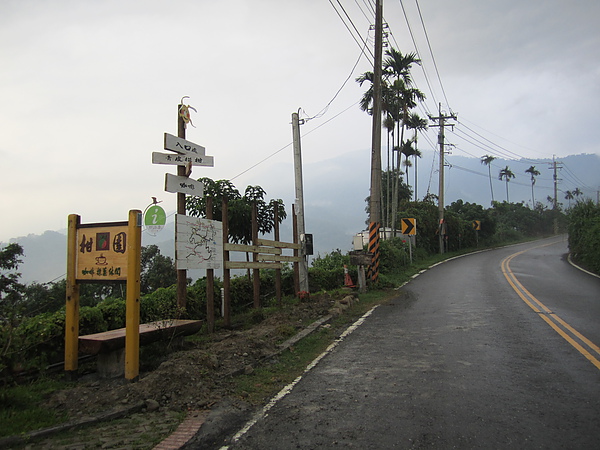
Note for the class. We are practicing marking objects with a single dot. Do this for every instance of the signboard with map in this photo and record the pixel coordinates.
(198, 243)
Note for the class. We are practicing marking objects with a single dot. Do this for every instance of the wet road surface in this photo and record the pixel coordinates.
(464, 357)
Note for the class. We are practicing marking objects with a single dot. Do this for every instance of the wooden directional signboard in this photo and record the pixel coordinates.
(409, 226)
(185, 185)
(182, 160)
(180, 145)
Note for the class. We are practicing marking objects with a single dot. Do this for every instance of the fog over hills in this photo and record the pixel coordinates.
(335, 193)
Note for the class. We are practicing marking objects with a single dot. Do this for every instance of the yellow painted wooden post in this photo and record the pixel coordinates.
(132, 314)
(72, 298)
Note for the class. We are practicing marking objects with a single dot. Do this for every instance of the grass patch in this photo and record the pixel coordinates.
(21, 410)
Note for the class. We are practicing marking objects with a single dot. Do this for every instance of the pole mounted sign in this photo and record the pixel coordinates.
(155, 219)
(182, 146)
(102, 252)
(185, 185)
(409, 226)
(187, 154)
(182, 160)
(477, 225)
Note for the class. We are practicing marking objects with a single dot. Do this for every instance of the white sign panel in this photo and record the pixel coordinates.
(182, 160)
(198, 243)
(182, 146)
(185, 185)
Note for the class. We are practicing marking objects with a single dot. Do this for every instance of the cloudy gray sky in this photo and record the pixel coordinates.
(87, 89)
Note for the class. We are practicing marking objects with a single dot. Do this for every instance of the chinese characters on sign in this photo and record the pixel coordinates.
(102, 253)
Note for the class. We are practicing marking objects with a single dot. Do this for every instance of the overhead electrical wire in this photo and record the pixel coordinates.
(369, 19)
(431, 53)
(324, 110)
(363, 41)
(418, 53)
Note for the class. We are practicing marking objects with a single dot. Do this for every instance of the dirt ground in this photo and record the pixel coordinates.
(197, 376)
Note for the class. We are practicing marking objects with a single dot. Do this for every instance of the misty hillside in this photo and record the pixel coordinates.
(335, 193)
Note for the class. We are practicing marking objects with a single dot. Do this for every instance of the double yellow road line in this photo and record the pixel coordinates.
(582, 344)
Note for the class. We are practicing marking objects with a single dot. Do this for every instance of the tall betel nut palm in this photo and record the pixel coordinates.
(534, 173)
(487, 160)
(506, 174)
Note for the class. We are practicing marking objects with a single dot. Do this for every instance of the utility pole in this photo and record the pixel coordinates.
(554, 167)
(441, 118)
(299, 210)
(375, 194)
(375, 199)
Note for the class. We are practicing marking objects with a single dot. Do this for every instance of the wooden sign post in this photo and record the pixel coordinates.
(187, 154)
(104, 252)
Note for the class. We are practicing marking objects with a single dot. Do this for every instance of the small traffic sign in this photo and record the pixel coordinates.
(185, 185)
(477, 225)
(180, 145)
(409, 226)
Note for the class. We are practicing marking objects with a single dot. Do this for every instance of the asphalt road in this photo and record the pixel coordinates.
(497, 349)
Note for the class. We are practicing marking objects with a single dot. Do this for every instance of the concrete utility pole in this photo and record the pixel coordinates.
(441, 123)
(554, 167)
(375, 199)
(299, 210)
(375, 191)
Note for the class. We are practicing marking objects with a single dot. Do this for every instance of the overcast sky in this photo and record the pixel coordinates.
(87, 89)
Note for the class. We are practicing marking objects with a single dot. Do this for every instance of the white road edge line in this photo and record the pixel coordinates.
(579, 267)
(287, 389)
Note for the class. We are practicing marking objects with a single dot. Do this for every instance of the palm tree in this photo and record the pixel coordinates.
(398, 97)
(569, 197)
(487, 160)
(534, 173)
(416, 123)
(407, 150)
(389, 124)
(577, 192)
(506, 174)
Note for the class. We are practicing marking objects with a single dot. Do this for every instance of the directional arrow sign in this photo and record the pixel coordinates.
(409, 226)
(182, 146)
(185, 185)
(477, 225)
(182, 160)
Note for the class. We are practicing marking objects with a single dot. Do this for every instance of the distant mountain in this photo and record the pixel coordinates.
(335, 193)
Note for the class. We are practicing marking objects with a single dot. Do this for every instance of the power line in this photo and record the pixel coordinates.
(288, 145)
(369, 19)
(363, 42)
(431, 52)
(324, 110)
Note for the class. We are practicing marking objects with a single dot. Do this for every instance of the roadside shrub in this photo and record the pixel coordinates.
(584, 232)
(40, 340)
(393, 254)
(325, 279)
(242, 294)
(113, 311)
(91, 320)
(159, 305)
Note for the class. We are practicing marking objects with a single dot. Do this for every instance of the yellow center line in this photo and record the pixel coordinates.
(546, 314)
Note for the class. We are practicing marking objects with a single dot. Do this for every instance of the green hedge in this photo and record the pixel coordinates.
(584, 234)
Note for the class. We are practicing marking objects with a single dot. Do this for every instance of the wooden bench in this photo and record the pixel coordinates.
(110, 345)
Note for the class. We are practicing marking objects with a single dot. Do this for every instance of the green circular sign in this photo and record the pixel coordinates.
(155, 219)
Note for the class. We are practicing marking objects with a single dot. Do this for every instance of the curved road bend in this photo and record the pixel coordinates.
(464, 357)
